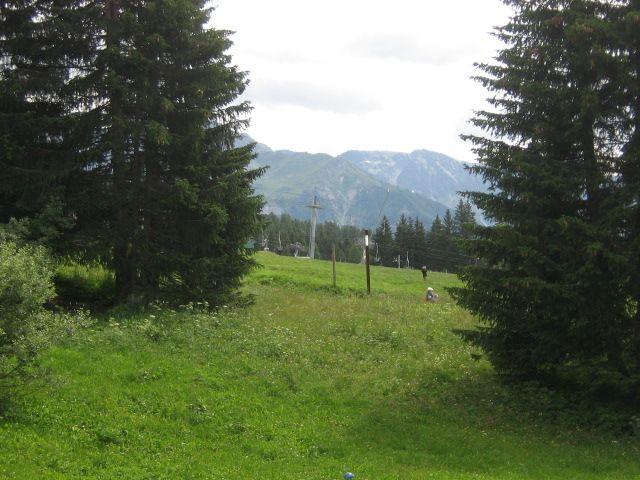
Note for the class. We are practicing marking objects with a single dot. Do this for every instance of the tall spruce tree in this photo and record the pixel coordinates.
(184, 205)
(403, 239)
(419, 243)
(548, 285)
(436, 245)
(463, 219)
(146, 95)
(384, 240)
(448, 223)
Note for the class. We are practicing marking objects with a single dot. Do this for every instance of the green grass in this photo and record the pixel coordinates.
(304, 384)
(85, 283)
(302, 274)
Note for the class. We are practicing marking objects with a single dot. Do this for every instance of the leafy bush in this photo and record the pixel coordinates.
(25, 286)
(85, 282)
(8, 232)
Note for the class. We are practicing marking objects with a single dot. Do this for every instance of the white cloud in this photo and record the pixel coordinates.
(313, 97)
(406, 48)
(362, 74)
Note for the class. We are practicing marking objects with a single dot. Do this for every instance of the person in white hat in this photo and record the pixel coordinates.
(431, 295)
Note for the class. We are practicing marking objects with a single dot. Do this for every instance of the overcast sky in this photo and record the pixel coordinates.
(335, 75)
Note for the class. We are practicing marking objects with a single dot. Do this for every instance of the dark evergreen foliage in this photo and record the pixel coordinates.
(35, 159)
(438, 246)
(383, 237)
(463, 219)
(550, 284)
(414, 246)
(627, 213)
(124, 114)
(403, 240)
(420, 244)
(281, 232)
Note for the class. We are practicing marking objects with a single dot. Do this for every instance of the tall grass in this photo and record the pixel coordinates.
(90, 282)
(304, 384)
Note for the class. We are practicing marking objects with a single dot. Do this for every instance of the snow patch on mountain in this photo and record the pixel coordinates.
(430, 174)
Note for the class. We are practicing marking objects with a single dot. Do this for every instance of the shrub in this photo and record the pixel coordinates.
(26, 285)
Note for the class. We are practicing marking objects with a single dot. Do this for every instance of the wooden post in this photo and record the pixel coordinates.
(333, 260)
(366, 260)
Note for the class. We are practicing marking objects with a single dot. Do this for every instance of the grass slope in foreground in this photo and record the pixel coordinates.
(305, 384)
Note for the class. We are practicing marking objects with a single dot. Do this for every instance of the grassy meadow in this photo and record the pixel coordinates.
(307, 383)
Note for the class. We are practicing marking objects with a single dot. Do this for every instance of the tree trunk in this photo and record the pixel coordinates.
(123, 218)
(125, 274)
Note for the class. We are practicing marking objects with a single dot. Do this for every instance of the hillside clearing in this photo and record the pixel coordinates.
(304, 384)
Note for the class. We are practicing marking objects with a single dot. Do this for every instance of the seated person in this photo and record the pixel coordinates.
(431, 295)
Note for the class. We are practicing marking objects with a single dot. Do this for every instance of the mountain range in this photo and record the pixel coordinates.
(358, 187)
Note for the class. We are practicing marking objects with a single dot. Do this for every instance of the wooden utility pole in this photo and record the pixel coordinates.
(366, 260)
(333, 260)
(314, 219)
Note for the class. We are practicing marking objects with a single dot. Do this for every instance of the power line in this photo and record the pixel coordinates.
(448, 257)
(440, 253)
(384, 203)
(456, 261)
